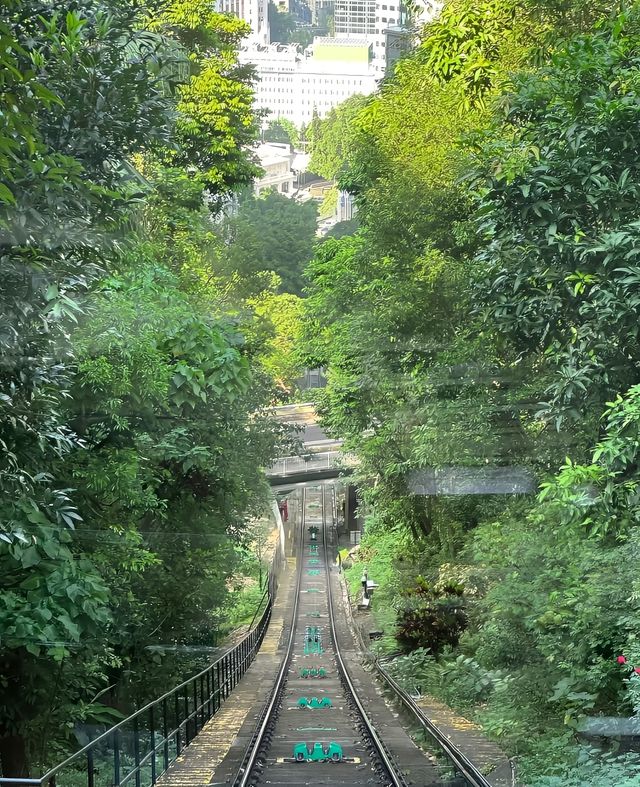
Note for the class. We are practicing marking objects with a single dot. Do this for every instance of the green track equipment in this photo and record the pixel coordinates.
(302, 752)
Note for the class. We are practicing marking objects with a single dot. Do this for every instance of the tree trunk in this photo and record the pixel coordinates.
(13, 757)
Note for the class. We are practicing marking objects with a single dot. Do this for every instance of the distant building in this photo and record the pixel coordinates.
(346, 207)
(253, 12)
(297, 85)
(354, 17)
(276, 160)
(398, 41)
(320, 11)
(383, 24)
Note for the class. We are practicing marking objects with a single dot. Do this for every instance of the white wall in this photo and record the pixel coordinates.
(292, 86)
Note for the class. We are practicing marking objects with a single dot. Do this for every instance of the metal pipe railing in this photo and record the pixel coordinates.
(140, 748)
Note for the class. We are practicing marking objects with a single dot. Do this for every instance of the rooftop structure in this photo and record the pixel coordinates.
(276, 160)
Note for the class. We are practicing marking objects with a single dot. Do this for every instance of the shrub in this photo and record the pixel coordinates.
(431, 616)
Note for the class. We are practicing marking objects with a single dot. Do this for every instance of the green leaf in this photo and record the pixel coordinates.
(30, 557)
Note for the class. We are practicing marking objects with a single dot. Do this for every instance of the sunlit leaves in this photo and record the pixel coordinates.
(463, 43)
(561, 225)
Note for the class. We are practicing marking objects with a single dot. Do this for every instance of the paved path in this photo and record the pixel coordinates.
(213, 755)
(469, 738)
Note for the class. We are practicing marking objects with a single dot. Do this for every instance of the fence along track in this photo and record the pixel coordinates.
(138, 750)
(346, 722)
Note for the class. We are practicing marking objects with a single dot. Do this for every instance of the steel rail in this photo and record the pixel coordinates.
(397, 778)
(249, 760)
(461, 763)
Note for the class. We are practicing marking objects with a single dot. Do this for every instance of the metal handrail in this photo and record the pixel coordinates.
(170, 721)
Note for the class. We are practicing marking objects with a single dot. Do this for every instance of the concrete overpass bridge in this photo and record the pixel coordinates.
(323, 459)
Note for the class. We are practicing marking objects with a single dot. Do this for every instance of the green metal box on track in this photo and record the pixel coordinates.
(314, 702)
(318, 752)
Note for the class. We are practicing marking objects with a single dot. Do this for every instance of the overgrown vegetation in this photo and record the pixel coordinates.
(134, 377)
(485, 315)
(269, 233)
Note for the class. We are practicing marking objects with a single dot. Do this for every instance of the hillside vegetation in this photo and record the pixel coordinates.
(486, 315)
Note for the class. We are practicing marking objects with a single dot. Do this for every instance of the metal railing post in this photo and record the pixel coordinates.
(90, 774)
(195, 708)
(116, 757)
(178, 731)
(202, 702)
(165, 732)
(136, 748)
(217, 694)
(187, 739)
(153, 744)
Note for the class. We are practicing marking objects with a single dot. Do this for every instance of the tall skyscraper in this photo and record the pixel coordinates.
(354, 17)
(369, 20)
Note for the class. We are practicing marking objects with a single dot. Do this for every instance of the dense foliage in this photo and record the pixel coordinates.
(331, 139)
(269, 233)
(129, 376)
(485, 315)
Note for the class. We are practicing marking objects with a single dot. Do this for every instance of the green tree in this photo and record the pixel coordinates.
(68, 204)
(163, 393)
(282, 130)
(281, 320)
(271, 233)
(332, 139)
(215, 121)
(124, 389)
(559, 186)
(282, 25)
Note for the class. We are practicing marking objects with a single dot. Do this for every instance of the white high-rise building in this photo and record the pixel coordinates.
(297, 85)
(354, 17)
(376, 20)
(253, 12)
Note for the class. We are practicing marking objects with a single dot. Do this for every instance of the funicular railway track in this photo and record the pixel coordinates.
(314, 728)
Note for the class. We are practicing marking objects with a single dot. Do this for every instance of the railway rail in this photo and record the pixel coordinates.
(314, 729)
